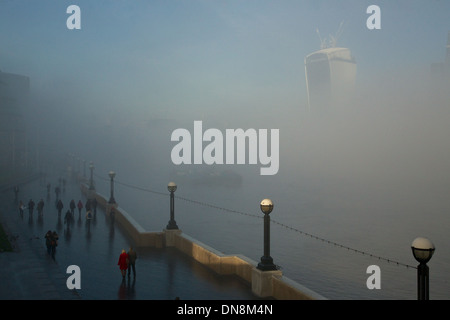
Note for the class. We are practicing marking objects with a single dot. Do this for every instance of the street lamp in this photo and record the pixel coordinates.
(112, 174)
(172, 224)
(422, 250)
(266, 263)
(91, 184)
(84, 168)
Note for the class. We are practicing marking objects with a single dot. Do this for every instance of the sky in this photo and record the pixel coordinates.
(113, 91)
(230, 63)
(167, 57)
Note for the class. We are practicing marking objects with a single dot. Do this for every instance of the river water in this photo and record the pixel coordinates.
(336, 210)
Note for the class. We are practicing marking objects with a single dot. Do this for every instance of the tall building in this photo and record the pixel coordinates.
(440, 73)
(14, 95)
(330, 77)
(447, 57)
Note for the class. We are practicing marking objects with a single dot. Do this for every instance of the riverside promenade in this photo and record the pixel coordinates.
(29, 273)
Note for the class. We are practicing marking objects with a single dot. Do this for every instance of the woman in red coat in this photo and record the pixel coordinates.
(123, 262)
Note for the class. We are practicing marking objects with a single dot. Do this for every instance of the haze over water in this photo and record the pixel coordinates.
(372, 175)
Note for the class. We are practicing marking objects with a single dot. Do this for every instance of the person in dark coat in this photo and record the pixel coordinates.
(59, 206)
(80, 207)
(30, 206)
(21, 208)
(132, 256)
(94, 205)
(40, 207)
(54, 243)
(72, 206)
(48, 241)
(68, 218)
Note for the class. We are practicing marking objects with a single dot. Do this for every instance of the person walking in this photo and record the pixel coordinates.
(68, 218)
(59, 206)
(54, 243)
(123, 263)
(80, 207)
(40, 207)
(21, 208)
(132, 256)
(48, 241)
(30, 206)
(72, 206)
(16, 192)
(94, 205)
(87, 206)
(57, 191)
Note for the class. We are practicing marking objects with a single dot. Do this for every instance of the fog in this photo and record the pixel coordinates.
(114, 91)
(392, 141)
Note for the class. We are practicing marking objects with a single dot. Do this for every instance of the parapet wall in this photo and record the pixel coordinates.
(264, 283)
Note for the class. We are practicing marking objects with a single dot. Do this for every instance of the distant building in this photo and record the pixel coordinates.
(447, 57)
(330, 77)
(440, 73)
(14, 95)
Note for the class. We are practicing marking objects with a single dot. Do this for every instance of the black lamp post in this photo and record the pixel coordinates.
(266, 263)
(91, 184)
(172, 225)
(112, 174)
(422, 250)
(84, 168)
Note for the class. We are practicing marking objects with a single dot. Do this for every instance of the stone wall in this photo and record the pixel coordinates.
(265, 284)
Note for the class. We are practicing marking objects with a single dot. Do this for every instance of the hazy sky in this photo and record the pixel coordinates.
(232, 64)
(197, 57)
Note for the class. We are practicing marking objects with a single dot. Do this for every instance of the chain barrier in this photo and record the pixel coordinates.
(271, 220)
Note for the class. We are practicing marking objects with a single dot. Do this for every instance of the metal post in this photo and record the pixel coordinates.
(172, 223)
(111, 199)
(91, 183)
(423, 282)
(266, 263)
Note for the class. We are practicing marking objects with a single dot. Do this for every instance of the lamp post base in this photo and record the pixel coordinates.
(266, 264)
(172, 225)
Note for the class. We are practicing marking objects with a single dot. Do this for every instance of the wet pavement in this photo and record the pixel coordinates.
(94, 247)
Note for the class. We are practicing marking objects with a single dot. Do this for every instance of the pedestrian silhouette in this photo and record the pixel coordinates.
(48, 241)
(123, 262)
(59, 206)
(132, 256)
(40, 207)
(80, 207)
(21, 208)
(94, 205)
(54, 243)
(68, 218)
(30, 206)
(72, 206)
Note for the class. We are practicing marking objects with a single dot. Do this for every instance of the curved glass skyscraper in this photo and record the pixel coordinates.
(330, 77)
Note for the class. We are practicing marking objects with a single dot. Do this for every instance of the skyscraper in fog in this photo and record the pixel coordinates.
(330, 77)
(447, 57)
(440, 73)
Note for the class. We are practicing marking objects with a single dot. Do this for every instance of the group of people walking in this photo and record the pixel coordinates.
(90, 206)
(127, 261)
(31, 204)
(51, 241)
